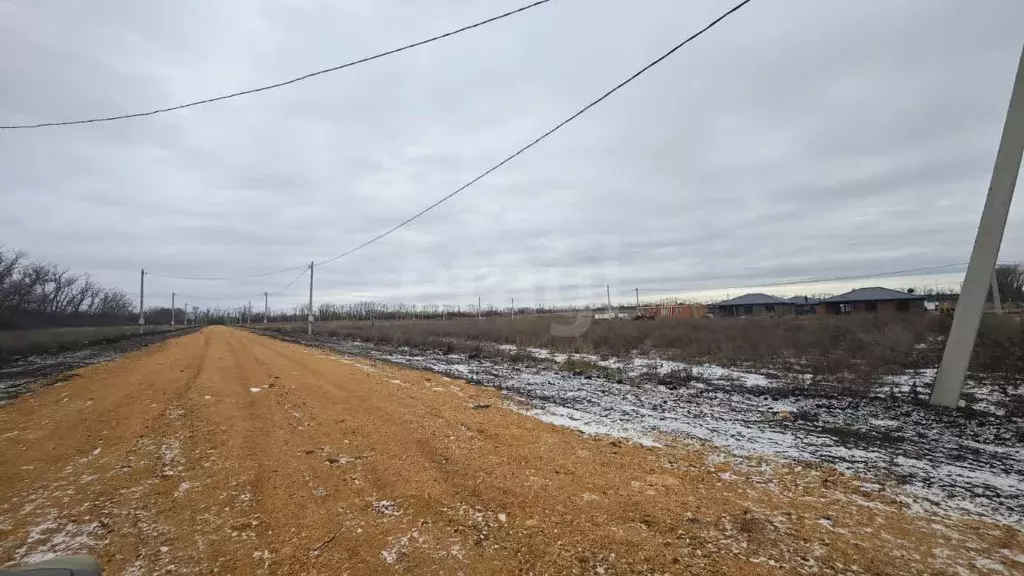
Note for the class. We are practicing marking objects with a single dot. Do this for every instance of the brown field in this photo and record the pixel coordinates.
(27, 342)
(865, 346)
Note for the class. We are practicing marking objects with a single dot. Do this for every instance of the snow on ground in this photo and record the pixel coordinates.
(953, 463)
(53, 537)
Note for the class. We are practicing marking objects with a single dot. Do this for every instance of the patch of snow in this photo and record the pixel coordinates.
(182, 488)
(170, 455)
(254, 389)
(1015, 556)
(946, 462)
(53, 537)
(385, 508)
(586, 423)
(989, 565)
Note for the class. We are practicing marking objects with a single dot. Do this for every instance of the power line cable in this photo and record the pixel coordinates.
(812, 280)
(542, 136)
(196, 297)
(834, 278)
(280, 84)
(305, 269)
(289, 285)
(259, 275)
(862, 276)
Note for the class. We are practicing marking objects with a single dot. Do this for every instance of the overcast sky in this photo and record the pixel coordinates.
(799, 138)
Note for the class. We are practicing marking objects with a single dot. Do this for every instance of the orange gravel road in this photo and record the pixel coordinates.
(227, 452)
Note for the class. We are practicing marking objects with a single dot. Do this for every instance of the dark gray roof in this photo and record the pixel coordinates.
(873, 293)
(756, 299)
(802, 300)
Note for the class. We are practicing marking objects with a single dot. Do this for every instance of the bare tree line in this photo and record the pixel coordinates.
(38, 295)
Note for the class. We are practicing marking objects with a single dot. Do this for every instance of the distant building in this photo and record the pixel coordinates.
(669, 310)
(874, 299)
(756, 304)
(804, 305)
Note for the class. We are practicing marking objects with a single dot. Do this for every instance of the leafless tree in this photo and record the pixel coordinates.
(34, 294)
(1010, 280)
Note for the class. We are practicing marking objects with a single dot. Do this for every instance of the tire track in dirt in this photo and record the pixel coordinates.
(75, 490)
(334, 484)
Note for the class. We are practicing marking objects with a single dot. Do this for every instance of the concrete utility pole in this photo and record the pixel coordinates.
(265, 308)
(608, 291)
(309, 320)
(513, 308)
(248, 313)
(186, 313)
(172, 308)
(479, 308)
(970, 306)
(638, 301)
(997, 305)
(142, 293)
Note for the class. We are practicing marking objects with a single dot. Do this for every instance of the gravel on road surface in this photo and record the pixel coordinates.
(225, 451)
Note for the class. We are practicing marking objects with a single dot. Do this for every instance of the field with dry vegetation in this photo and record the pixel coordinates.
(843, 353)
(15, 343)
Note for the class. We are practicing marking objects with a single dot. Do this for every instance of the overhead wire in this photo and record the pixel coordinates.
(243, 277)
(823, 279)
(289, 285)
(557, 127)
(863, 276)
(237, 298)
(820, 280)
(279, 84)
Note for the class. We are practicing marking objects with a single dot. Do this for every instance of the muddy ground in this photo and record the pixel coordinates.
(19, 375)
(965, 463)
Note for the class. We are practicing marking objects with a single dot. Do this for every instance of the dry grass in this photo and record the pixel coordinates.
(849, 352)
(27, 342)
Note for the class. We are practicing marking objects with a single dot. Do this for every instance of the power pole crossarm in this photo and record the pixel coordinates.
(971, 303)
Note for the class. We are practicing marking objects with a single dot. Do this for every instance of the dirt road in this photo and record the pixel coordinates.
(223, 451)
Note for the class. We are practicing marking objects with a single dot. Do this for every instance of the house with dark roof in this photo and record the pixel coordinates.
(873, 299)
(756, 304)
(804, 305)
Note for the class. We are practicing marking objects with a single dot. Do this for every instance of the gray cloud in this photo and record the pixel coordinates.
(796, 139)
